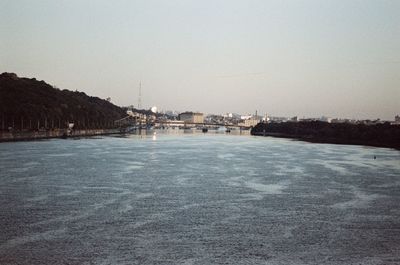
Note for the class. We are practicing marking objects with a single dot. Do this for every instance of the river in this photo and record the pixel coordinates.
(175, 198)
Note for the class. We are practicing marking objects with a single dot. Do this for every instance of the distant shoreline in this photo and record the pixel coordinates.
(324, 141)
(386, 136)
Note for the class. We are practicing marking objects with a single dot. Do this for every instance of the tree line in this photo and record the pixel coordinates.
(29, 104)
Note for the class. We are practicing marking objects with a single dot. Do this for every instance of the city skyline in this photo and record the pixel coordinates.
(285, 58)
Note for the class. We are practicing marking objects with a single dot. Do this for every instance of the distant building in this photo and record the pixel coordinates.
(251, 122)
(194, 117)
(397, 119)
(135, 114)
(326, 119)
(212, 118)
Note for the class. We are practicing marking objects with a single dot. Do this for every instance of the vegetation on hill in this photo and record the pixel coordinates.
(31, 104)
(384, 135)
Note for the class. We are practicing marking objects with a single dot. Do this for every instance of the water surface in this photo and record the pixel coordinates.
(198, 199)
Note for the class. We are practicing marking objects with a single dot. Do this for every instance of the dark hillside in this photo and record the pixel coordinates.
(32, 104)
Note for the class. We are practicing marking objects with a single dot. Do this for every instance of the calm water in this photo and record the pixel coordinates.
(198, 199)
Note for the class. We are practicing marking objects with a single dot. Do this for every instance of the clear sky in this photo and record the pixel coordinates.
(338, 58)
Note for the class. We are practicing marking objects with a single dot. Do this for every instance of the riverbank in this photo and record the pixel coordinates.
(48, 134)
(326, 140)
(381, 135)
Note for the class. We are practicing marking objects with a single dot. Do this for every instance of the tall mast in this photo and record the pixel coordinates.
(140, 96)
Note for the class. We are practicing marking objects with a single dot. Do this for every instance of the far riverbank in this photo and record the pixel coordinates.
(380, 135)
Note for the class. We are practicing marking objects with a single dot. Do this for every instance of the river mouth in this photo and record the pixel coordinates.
(197, 198)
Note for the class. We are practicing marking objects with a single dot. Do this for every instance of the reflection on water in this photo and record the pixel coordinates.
(185, 197)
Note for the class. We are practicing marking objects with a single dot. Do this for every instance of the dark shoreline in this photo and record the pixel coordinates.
(325, 141)
(379, 135)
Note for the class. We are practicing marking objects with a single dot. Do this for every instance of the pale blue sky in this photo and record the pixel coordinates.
(287, 58)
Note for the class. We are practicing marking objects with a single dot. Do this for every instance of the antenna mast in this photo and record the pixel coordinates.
(140, 96)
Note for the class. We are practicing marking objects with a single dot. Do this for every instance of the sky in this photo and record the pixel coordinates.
(305, 58)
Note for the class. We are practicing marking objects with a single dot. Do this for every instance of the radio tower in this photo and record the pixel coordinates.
(140, 96)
